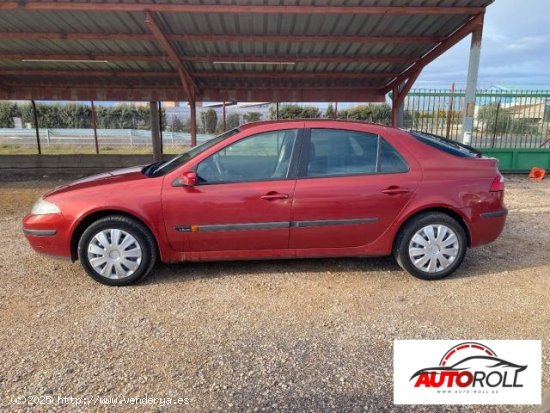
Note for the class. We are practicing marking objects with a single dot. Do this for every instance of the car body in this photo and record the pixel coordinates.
(282, 189)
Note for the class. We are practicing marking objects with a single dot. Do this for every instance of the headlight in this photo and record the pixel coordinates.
(42, 207)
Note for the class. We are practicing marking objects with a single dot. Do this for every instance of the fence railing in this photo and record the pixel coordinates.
(503, 119)
(23, 140)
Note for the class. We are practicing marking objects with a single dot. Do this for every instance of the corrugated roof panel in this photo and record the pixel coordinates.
(247, 24)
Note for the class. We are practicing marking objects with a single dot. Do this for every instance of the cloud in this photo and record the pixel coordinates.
(514, 49)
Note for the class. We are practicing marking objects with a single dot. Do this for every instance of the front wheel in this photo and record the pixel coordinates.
(117, 250)
(431, 246)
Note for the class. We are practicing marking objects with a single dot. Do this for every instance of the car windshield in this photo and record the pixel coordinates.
(446, 145)
(164, 167)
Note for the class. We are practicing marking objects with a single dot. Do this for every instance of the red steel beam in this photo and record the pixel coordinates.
(400, 93)
(230, 8)
(217, 75)
(290, 94)
(307, 59)
(469, 27)
(187, 81)
(85, 73)
(306, 39)
(140, 37)
(81, 57)
(295, 75)
(211, 59)
(61, 83)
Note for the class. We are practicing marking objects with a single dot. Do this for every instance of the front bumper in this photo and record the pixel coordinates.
(48, 234)
(40, 232)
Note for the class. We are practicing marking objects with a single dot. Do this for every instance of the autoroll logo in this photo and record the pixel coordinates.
(468, 372)
(470, 365)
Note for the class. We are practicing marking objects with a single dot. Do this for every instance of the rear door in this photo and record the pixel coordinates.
(352, 186)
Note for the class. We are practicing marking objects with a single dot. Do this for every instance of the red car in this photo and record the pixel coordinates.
(281, 189)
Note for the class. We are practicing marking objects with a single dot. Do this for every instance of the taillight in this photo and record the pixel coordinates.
(498, 184)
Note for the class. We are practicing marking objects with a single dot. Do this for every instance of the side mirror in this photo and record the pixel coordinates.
(189, 178)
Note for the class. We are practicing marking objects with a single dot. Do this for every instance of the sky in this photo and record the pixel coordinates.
(515, 50)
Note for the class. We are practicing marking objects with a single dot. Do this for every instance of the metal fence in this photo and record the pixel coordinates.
(503, 119)
(70, 141)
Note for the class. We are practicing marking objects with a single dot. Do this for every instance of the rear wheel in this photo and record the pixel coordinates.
(117, 250)
(431, 246)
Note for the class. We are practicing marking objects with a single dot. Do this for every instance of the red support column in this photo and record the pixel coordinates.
(160, 128)
(193, 124)
(224, 117)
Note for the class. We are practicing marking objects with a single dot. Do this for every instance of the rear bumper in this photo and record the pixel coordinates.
(48, 234)
(487, 227)
(494, 214)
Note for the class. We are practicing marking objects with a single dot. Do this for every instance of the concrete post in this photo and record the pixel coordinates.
(155, 131)
(471, 85)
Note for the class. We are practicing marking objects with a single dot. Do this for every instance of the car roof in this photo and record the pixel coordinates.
(309, 122)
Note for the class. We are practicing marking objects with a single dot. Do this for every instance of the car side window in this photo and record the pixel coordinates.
(264, 156)
(341, 152)
(334, 152)
(390, 161)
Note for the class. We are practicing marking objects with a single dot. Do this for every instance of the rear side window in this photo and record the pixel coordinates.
(390, 160)
(341, 152)
(446, 145)
(334, 152)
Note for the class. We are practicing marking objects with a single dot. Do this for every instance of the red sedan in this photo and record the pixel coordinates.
(281, 189)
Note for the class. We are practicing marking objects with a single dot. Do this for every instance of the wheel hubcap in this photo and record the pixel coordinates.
(434, 248)
(114, 253)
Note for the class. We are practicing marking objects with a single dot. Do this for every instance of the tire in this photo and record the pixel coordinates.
(430, 254)
(125, 246)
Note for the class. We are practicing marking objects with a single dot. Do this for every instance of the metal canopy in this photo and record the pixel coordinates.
(217, 50)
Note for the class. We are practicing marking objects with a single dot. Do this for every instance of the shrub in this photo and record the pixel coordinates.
(294, 112)
(252, 117)
(233, 121)
(209, 120)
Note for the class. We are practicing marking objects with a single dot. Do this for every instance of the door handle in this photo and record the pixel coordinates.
(395, 190)
(270, 196)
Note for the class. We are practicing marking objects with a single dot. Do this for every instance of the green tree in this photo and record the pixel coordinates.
(233, 121)
(8, 110)
(329, 113)
(251, 117)
(495, 118)
(177, 125)
(209, 120)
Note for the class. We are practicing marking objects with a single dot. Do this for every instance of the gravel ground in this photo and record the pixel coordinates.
(306, 335)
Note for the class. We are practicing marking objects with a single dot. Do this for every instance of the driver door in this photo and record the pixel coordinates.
(243, 198)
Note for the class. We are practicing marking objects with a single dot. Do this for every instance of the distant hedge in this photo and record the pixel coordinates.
(76, 115)
(294, 112)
